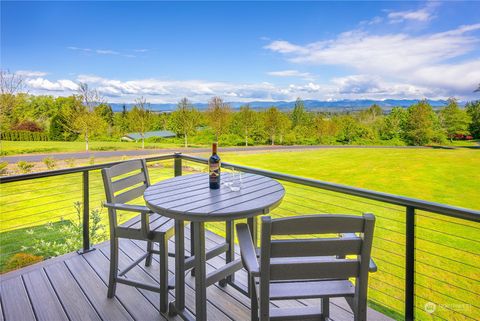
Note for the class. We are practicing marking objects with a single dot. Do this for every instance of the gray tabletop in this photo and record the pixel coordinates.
(189, 198)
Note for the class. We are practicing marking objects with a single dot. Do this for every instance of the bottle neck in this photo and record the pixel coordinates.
(214, 148)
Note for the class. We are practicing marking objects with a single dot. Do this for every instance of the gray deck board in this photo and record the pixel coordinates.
(73, 287)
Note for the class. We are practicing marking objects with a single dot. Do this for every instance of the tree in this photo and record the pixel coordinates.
(349, 128)
(218, 116)
(473, 110)
(274, 123)
(82, 119)
(10, 85)
(394, 123)
(246, 120)
(140, 118)
(420, 123)
(325, 128)
(454, 120)
(299, 115)
(185, 119)
(105, 112)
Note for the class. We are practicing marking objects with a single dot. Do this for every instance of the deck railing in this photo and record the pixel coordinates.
(427, 253)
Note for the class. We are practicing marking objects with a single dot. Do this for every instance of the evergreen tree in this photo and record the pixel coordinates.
(454, 120)
(299, 115)
(473, 110)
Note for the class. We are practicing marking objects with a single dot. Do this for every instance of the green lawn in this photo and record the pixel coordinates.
(447, 249)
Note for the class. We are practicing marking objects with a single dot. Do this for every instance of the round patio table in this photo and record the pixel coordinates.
(189, 198)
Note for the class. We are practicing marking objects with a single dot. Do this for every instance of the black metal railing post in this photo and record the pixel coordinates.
(178, 164)
(86, 214)
(410, 265)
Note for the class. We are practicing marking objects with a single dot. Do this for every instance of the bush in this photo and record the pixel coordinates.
(25, 167)
(23, 136)
(70, 162)
(3, 167)
(50, 162)
(20, 260)
(27, 125)
(72, 233)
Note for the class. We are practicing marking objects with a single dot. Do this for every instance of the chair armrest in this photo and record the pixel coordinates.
(128, 207)
(247, 250)
(372, 267)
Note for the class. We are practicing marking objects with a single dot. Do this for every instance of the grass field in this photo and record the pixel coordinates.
(447, 249)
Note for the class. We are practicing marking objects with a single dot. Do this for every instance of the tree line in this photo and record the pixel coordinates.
(87, 116)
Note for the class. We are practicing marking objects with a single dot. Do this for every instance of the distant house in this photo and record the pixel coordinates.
(133, 137)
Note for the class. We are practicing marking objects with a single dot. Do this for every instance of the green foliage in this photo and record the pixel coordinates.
(23, 136)
(454, 120)
(3, 167)
(276, 124)
(185, 119)
(140, 118)
(473, 110)
(421, 124)
(299, 115)
(392, 127)
(70, 162)
(25, 167)
(218, 116)
(50, 162)
(72, 234)
(245, 122)
(105, 112)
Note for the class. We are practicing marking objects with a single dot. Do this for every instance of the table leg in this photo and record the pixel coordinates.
(179, 268)
(252, 225)
(192, 246)
(230, 254)
(200, 272)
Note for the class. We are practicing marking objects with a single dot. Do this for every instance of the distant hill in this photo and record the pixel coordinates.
(309, 104)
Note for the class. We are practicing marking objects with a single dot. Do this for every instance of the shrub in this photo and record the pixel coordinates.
(70, 162)
(3, 167)
(50, 162)
(25, 167)
(27, 125)
(92, 160)
(20, 260)
(23, 136)
(72, 234)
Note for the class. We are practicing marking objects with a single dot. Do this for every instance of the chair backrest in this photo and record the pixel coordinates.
(316, 258)
(132, 183)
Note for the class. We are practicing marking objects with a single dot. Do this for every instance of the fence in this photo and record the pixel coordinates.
(427, 253)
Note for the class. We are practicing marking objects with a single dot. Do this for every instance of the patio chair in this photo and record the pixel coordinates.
(306, 268)
(131, 179)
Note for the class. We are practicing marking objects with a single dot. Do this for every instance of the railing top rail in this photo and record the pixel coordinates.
(452, 211)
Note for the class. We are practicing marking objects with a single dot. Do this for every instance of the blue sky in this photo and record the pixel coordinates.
(244, 51)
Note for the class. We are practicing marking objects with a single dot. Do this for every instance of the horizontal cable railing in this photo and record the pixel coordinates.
(427, 253)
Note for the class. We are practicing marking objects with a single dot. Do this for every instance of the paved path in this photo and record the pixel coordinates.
(146, 152)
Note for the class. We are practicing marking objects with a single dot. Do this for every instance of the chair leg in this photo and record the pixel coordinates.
(325, 309)
(112, 280)
(253, 300)
(148, 259)
(163, 275)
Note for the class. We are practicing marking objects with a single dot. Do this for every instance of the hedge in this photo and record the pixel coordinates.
(21, 135)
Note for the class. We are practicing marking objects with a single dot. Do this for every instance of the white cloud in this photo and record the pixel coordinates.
(422, 15)
(106, 52)
(30, 73)
(61, 85)
(90, 51)
(291, 73)
(421, 61)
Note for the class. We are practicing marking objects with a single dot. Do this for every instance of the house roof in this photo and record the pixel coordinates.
(158, 133)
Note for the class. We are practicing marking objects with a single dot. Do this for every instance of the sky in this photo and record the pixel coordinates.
(245, 51)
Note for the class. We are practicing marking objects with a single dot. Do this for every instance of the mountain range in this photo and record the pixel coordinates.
(336, 105)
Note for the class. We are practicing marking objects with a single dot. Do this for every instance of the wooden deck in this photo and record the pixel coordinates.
(74, 287)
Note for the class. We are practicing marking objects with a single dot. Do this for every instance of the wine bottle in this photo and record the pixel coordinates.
(214, 168)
